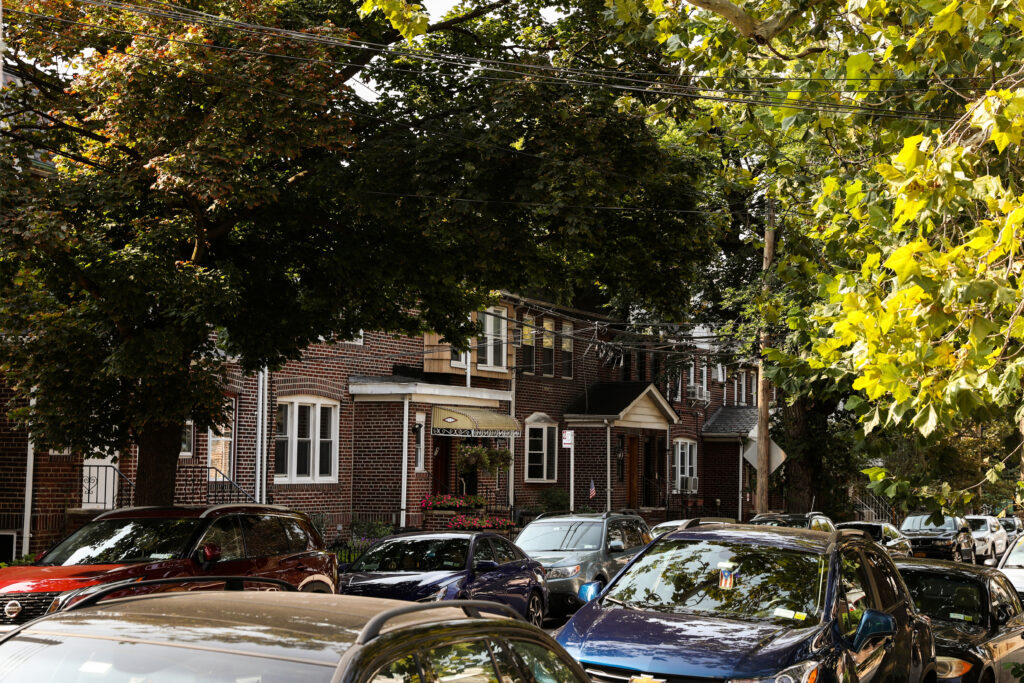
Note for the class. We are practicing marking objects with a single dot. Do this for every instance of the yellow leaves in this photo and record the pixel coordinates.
(911, 156)
(870, 265)
(903, 261)
(948, 19)
(859, 64)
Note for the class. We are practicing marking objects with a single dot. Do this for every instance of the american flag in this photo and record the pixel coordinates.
(593, 489)
(727, 578)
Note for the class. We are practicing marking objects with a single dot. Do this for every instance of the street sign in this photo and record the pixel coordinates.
(567, 438)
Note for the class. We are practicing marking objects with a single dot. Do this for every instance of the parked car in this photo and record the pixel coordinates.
(1014, 528)
(815, 521)
(674, 524)
(989, 536)
(579, 548)
(277, 637)
(144, 543)
(884, 534)
(949, 539)
(1012, 565)
(753, 603)
(976, 617)
(460, 565)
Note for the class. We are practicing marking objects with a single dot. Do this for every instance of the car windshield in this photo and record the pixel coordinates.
(921, 523)
(1015, 560)
(430, 554)
(730, 580)
(566, 535)
(117, 541)
(978, 524)
(83, 660)
(796, 523)
(945, 597)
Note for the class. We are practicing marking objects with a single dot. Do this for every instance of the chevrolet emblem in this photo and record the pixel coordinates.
(645, 678)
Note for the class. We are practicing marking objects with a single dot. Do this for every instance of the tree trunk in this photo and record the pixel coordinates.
(155, 475)
(803, 468)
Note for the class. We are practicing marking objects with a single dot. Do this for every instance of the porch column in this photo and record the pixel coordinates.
(608, 465)
(405, 458)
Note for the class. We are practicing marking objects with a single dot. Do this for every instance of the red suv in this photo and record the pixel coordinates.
(151, 543)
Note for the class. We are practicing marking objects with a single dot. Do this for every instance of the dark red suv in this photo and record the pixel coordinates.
(150, 543)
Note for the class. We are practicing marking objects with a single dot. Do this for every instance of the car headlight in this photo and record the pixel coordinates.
(563, 572)
(436, 595)
(944, 541)
(804, 672)
(951, 667)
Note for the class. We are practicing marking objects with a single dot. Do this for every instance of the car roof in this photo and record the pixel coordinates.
(170, 512)
(787, 538)
(466, 533)
(979, 516)
(286, 625)
(588, 516)
(788, 515)
(945, 567)
(858, 524)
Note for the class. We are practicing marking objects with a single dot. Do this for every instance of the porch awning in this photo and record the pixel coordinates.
(462, 421)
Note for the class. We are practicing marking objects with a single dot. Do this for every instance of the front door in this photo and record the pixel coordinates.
(441, 466)
(632, 467)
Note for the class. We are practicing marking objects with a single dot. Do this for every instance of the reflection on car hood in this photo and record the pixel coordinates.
(396, 585)
(555, 558)
(32, 578)
(929, 534)
(952, 637)
(680, 645)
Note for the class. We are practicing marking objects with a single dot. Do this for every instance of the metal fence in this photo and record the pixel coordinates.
(105, 487)
(205, 485)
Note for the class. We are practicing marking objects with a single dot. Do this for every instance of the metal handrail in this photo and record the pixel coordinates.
(228, 480)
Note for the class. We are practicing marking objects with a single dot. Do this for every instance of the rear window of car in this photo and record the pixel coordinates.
(1008, 524)
(720, 579)
(978, 524)
(118, 541)
(946, 597)
(68, 659)
(415, 555)
(565, 535)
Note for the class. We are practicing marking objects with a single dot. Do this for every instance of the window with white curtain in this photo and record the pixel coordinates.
(684, 466)
(306, 440)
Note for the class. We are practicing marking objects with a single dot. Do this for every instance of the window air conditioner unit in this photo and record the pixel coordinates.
(688, 485)
(8, 546)
(696, 392)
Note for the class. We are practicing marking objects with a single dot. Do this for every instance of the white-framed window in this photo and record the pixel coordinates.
(529, 344)
(704, 377)
(541, 449)
(306, 441)
(753, 388)
(743, 388)
(220, 447)
(684, 466)
(721, 373)
(492, 348)
(567, 349)
(421, 441)
(358, 339)
(188, 435)
(547, 354)
(693, 372)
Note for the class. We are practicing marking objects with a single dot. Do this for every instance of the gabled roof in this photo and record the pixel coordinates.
(616, 400)
(731, 421)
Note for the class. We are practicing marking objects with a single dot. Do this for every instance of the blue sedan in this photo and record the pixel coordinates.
(450, 566)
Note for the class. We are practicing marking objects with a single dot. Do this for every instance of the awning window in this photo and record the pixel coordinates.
(472, 422)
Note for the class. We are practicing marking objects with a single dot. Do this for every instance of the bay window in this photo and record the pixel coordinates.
(306, 441)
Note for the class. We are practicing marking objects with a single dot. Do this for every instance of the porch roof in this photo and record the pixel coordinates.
(624, 404)
(463, 421)
(397, 388)
(731, 421)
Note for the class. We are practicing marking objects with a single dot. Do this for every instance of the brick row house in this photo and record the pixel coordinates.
(364, 430)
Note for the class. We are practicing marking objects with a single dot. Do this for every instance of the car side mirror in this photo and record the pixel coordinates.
(1002, 615)
(484, 566)
(873, 624)
(589, 591)
(38, 556)
(991, 562)
(616, 546)
(208, 553)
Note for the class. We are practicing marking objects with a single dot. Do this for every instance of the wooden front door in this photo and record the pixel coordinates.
(441, 466)
(632, 470)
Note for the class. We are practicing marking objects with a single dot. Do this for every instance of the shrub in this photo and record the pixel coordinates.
(447, 501)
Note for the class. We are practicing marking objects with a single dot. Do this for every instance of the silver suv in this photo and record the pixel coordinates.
(579, 548)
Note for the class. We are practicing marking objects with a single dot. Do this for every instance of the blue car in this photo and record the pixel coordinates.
(755, 604)
(449, 566)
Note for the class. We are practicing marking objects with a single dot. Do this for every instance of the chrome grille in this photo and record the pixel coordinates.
(608, 674)
(32, 605)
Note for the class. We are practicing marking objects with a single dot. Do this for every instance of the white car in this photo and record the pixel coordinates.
(990, 539)
(1012, 565)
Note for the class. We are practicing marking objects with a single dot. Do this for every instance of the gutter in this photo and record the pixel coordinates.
(30, 466)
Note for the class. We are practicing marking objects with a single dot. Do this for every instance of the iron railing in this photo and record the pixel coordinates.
(207, 485)
(874, 508)
(105, 487)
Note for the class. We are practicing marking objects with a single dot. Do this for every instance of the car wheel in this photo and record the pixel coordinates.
(316, 587)
(957, 557)
(535, 610)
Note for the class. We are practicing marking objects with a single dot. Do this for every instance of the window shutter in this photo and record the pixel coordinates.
(552, 453)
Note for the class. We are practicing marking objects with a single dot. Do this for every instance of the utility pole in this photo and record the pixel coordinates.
(3, 47)
(763, 390)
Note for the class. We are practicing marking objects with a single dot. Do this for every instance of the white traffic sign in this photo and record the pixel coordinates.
(567, 438)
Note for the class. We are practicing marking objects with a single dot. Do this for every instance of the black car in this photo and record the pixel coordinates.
(884, 534)
(282, 637)
(815, 521)
(976, 617)
(753, 603)
(949, 539)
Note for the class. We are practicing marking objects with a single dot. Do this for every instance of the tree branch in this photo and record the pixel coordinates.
(468, 16)
(760, 31)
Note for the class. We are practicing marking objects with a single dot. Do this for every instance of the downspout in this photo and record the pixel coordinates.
(739, 508)
(405, 460)
(30, 467)
(608, 465)
(512, 448)
(259, 436)
(668, 468)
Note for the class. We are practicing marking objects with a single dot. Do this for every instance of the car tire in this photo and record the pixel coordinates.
(316, 587)
(535, 610)
(957, 556)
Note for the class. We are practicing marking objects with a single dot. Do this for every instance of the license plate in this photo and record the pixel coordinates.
(920, 554)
